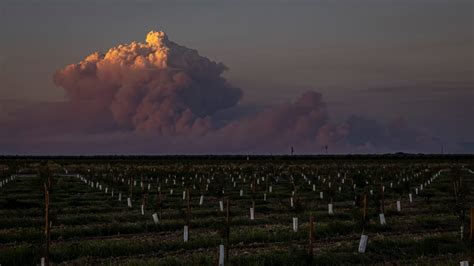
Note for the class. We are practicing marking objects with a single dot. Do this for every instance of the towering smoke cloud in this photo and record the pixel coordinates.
(161, 97)
(157, 86)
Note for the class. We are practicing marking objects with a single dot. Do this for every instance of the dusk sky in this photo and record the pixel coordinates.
(358, 76)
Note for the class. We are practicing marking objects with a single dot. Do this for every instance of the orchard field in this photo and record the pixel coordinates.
(237, 210)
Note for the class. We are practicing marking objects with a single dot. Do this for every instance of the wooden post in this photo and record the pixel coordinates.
(47, 230)
(455, 191)
(266, 184)
(253, 194)
(365, 207)
(254, 191)
(142, 185)
(189, 207)
(310, 248)
(187, 219)
(382, 199)
(471, 236)
(472, 224)
(227, 233)
(188, 212)
(160, 204)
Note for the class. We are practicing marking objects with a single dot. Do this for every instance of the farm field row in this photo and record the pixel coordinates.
(263, 212)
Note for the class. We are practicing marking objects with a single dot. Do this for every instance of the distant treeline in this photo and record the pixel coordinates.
(154, 158)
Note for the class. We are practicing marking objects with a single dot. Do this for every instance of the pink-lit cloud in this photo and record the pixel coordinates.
(159, 97)
(157, 86)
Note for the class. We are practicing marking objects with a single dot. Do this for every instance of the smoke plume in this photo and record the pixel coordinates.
(159, 97)
(157, 86)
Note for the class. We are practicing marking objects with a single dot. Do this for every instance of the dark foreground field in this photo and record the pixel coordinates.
(90, 226)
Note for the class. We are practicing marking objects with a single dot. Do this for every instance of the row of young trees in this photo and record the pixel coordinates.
(363, 190)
